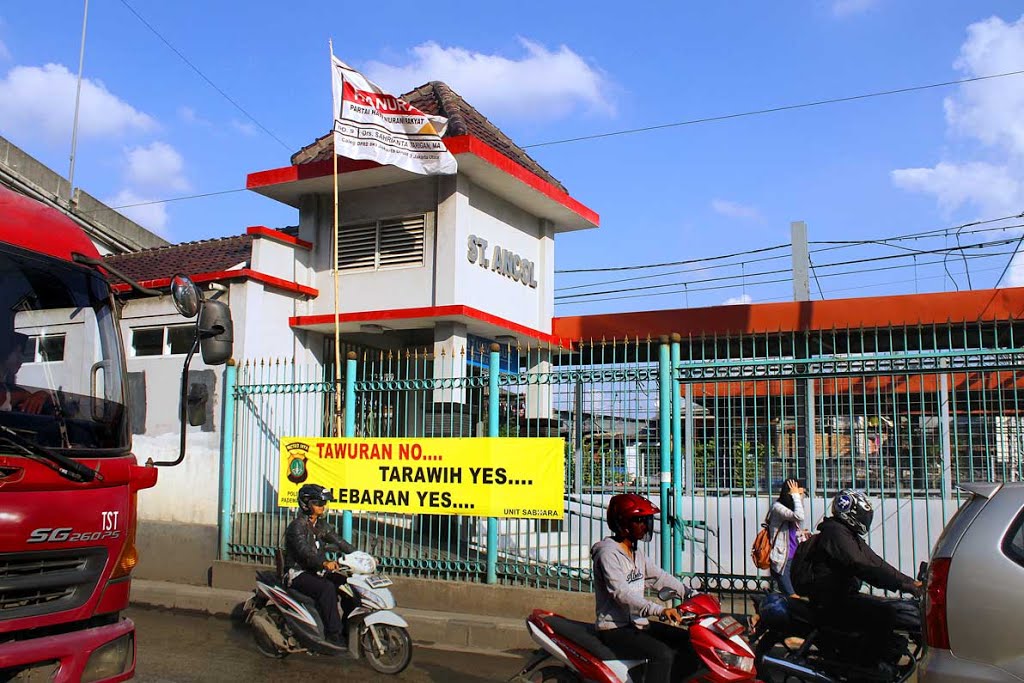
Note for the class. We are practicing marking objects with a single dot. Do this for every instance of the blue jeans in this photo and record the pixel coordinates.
(783, 583)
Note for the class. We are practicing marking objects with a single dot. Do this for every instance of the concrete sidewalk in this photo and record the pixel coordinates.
(444, 630)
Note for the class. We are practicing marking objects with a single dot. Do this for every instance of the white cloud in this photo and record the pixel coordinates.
(741, 299)
(991, 111)
(844, 8)
(995, 189)
(151, 216)
(39, 103)
(191, 117)
(989, 115)
(542, 84)
(245, 128)
(734, 209)
(157, 166)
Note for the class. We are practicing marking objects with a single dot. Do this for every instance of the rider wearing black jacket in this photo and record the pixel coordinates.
(305, 557)
(835, 563)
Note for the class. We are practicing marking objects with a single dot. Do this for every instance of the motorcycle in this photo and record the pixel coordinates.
(717, 640)
(285, 621)
(793, 641)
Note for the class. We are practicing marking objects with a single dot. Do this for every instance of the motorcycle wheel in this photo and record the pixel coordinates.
(774, 643)
(264, 644)
(556, 674)
(397, 648)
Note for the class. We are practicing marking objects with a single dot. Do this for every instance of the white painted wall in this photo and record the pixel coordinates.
(370, 290)
(507, 226)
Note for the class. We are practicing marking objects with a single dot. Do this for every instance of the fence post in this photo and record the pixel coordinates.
(664, 436)
(493, 367)
(677, 462)
(227, 458)
(350, 428)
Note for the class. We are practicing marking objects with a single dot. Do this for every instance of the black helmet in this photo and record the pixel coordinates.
(853, 509)
(313, 493)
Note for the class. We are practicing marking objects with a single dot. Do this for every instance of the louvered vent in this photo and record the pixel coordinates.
(391, 243)
(401, 242)
(357, 246)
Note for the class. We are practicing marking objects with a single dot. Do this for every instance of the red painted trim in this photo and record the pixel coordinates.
(460, 144)
(277, 236)
(316, 169)
(424, 312)
(240, 274)
(468, 144)
(867, 312)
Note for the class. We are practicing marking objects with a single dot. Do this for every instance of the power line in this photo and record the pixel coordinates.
(171, 199)
(769, 282)
(667, 273)
(834, 264)
(673, 263)
(203, 76)
(772, 110)
(834, 244)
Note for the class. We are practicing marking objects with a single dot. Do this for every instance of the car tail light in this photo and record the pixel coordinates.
(129, 556)
(936, 626)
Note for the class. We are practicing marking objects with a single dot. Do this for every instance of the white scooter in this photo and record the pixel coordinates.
(285, 621)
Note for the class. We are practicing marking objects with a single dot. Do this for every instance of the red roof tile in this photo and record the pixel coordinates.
(463, 119)
(190, 258)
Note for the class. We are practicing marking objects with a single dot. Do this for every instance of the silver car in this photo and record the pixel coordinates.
(974, 607)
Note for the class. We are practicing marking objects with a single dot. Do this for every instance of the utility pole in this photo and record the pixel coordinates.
(804, 394)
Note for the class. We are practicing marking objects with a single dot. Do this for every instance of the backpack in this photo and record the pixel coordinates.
(801, 571)
(761, 550)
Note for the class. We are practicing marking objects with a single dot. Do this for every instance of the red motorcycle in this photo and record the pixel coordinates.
(717, 639)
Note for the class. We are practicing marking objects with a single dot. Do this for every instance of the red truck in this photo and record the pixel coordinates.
(68, 478)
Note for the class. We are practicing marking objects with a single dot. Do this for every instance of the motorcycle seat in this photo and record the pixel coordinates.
(583, 634)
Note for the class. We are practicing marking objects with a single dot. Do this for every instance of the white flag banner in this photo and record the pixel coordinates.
(371, 124)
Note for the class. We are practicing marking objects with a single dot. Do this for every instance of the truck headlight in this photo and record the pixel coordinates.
(111, 659)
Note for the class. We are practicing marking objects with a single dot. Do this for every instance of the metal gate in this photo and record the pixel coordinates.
(708, 427)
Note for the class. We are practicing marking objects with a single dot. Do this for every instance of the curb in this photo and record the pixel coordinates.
(496, 636)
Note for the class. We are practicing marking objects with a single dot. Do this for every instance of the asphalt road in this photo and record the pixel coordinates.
(182, 648)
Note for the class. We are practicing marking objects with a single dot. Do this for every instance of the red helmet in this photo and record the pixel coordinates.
(625, 507)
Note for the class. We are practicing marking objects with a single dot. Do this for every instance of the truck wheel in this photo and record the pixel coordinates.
(397, 648)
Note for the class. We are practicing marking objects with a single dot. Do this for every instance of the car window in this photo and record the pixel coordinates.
(1013, 543)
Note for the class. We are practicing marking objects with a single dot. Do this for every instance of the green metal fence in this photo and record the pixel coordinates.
(708, 427)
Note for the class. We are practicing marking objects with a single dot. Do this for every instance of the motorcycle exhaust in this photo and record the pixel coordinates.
(803, 672)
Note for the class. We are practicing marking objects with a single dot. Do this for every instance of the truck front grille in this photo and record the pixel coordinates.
(42, 582)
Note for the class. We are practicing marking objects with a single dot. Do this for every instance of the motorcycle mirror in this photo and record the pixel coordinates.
(666, 594)
(922, 572)
(186, 295)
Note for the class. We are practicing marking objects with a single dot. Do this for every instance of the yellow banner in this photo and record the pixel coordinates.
(489, 477)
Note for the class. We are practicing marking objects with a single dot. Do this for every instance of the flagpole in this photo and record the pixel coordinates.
(78, 99)
(337, 312)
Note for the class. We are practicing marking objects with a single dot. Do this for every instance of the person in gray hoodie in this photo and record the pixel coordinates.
(622, 570)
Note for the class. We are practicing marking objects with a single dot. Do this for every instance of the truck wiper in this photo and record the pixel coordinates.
(65, 466)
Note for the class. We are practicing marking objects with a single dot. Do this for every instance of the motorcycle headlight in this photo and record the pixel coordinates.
(741, 662)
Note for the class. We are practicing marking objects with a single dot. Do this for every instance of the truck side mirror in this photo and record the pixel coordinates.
(216, 332)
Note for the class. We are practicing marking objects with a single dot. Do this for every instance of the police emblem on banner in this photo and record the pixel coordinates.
(298, 453)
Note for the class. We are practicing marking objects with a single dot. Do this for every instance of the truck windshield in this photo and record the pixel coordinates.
(61, 359)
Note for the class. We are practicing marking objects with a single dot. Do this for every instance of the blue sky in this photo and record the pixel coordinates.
(151, 128)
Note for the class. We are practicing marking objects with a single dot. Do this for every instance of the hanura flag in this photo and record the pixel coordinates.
(371, 124)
